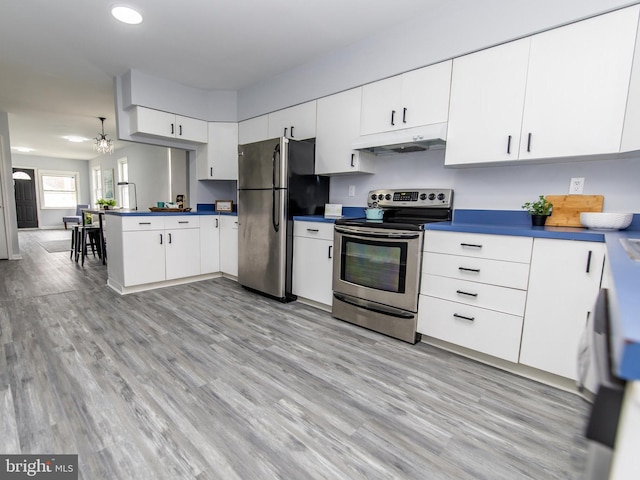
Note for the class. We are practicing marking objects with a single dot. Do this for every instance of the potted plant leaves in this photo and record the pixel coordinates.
(539, 210)
(106, 203)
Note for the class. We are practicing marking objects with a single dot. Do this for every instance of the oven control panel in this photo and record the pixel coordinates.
(414, 197)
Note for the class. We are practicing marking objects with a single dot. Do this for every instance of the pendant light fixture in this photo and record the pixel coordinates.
(103, 143)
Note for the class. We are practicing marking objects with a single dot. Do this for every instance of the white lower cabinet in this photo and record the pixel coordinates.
(563, 286)
(473, 291)
(209, 244)
(313, 261)
(229, 245)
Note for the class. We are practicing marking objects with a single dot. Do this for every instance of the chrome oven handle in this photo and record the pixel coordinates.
(377, 234)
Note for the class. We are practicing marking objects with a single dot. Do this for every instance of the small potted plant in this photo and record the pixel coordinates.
(539, 210)
(106, 203)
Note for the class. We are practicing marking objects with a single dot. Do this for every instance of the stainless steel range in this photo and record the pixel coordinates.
(377, 265)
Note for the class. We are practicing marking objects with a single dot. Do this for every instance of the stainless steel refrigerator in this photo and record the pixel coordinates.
(276, 181)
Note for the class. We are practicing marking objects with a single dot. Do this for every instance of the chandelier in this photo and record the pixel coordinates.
(103, 144)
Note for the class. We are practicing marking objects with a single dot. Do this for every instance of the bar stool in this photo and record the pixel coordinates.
(86, 236)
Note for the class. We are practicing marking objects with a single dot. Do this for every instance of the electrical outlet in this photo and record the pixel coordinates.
(352, 190)
(576, 186)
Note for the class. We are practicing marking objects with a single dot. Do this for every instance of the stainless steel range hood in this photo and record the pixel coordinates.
(428, 137)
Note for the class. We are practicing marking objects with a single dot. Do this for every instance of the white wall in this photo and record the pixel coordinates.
(497, 187)
(52, 217)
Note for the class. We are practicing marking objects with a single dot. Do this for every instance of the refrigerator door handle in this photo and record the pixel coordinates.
(275, 221)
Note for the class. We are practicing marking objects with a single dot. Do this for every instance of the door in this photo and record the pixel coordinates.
(257, 164)
(262, 240)
(25, 194)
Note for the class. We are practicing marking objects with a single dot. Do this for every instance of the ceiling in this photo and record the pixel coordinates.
(58, 59)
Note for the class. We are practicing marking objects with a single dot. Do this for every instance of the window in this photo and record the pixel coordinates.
(123, 176)
(59, 189)
(96, 180)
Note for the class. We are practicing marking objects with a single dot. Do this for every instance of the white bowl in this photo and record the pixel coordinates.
(605, 221)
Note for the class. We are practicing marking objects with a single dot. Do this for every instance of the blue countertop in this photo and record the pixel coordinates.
(142, 213)
(347, 212)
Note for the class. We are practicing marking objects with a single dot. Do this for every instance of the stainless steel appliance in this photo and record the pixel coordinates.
(377, 263)
(276, 181)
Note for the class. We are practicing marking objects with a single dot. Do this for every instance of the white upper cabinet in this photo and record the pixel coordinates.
(297, 123)
(147, 121)
(253, 130)
(338, 126)
(218, 159)
(419, 97)
(557, 94)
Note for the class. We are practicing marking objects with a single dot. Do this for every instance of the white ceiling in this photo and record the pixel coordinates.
(58, 58)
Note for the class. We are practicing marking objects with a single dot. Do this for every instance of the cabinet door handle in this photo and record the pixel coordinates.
(330, 247)
(393, 119)
(169, 238)
(216, 223)
(404, 115)
(529, 142)
(160, 239)
(183, 221)
(471, 319)
(462, 292)
(474, 245)
(211, 171)
(291, 131)
(312, 230)
(464, 269)
(285, 131)
(589, 261)
(144, 223)
(180, 129)
(509, 145)
(353, 156)
(173, 129)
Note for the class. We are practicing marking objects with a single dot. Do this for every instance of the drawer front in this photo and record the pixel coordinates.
(501, 299)
(496, 247)
(142, 223)
(321, 230)
(494, 272)
(181, 221)
(494, 333)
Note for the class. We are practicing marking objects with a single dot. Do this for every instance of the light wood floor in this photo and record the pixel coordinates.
(208, 381)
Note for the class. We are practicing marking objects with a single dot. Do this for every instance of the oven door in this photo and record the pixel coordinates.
(378, 265)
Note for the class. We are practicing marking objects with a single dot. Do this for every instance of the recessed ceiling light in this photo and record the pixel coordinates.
(75, 139)
(126, 15)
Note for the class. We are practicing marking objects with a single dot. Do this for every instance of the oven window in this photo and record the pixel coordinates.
(379, 265)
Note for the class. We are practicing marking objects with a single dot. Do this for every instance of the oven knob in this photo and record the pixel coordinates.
(423, 196)
(432, 196)
(374, 196)
(441, 196)
(387, 196)
(380, 197)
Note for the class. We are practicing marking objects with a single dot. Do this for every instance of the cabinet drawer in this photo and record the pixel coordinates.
(485, 331)
(494, 272)
(501, 299)
(497, 247)
(321, 230)
(142, 223)
(181, 221)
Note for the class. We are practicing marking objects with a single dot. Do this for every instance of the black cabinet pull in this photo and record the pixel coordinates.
(216, 223)
(353, 156)
(509, 145)
(464, 269)
(169, 238)
(285, 131)
(462, 292)
(160, 239)
(330, 247)
(529, 142)
(173, 130)
(180, 130)
(589, 261)
(404, 115)
(393, 119)
(312, 230)
(183, 221)
(211, 171)
(474, 245)
(144, 223)
(291, 131)
(471, 319)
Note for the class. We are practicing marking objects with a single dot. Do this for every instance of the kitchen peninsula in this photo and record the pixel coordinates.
(157, 249)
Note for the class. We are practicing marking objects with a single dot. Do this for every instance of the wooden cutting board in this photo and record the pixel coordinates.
(567, 208)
